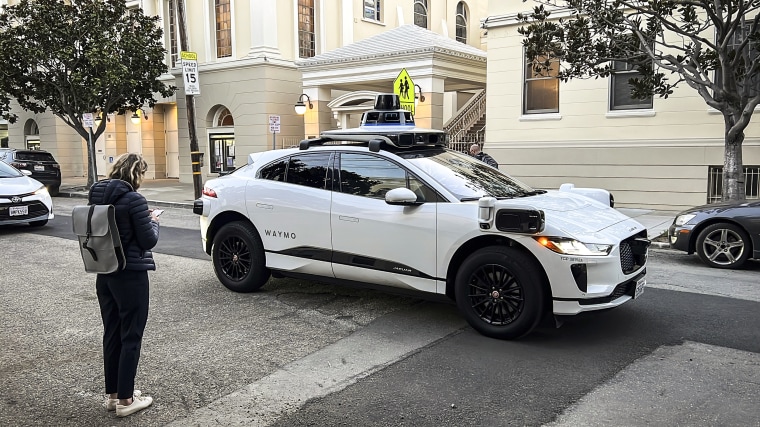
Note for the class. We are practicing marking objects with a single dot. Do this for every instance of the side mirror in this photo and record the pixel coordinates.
(401, 196)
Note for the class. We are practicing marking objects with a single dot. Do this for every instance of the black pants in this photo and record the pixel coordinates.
(123, 299)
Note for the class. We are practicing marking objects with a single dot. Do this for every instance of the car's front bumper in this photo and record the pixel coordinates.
(629, 289)
(679, 237)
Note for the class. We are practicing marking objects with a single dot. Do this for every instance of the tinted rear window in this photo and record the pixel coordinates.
(34, 157)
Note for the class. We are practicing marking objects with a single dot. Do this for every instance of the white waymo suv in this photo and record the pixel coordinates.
(387, 204)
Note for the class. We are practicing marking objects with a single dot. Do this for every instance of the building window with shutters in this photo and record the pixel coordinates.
(306, 35)
(223, 15)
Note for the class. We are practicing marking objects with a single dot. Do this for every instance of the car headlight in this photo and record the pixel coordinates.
(42, 190)
(683, 219)
(564, 245)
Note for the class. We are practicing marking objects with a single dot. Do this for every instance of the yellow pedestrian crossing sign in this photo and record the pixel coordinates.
(403, 86)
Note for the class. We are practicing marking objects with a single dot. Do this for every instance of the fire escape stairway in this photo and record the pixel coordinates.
(468, 125)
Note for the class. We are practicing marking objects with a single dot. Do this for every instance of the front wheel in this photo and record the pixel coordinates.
(500, 292)
(238, 257)
(723, 245)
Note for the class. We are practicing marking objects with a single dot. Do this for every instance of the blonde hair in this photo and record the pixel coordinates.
(130, 167)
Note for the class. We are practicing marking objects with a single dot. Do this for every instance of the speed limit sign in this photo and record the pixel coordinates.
(190, 73)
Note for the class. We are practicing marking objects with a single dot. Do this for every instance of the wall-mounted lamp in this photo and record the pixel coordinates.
(418, 94)
(300, 106)
(136, 117)
(99, 119)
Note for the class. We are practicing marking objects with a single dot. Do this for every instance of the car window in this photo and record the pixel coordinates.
(35, 157)
(275, 171)
(465, 176)
(308, 169)
(6, 171)
(371, 176)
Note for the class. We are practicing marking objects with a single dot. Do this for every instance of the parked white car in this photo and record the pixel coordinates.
(391, 206)
(23, 200)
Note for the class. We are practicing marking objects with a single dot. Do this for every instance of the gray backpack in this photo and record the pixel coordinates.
(99, 242)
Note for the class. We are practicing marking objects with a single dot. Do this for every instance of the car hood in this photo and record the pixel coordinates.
(577, 215)
(720, 207)
(18, 185)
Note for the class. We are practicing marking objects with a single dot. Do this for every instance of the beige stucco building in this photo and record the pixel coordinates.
(258, 58)
(656, 155)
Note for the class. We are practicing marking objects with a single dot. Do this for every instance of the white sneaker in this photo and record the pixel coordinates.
(110, 404)
(139, 403)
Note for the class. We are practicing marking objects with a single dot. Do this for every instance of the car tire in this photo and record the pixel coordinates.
(238, 257)
(38, 223)
(723, 245)
(54, 191)
(500, 292)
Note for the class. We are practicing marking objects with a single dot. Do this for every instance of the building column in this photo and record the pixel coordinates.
(264, 41)
(429, 114)
(319, 118)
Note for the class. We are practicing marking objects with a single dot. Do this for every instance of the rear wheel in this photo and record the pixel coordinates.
(500, 292)
(238, 257)
(54, 190)
(723, 245)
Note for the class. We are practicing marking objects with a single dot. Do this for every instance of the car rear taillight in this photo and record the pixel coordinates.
(56, 166)
(209, 192)
(18, 165)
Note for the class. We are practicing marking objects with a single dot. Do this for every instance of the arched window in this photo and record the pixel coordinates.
(421, 13)
(32, 135)
(461, 22)
(223, 118)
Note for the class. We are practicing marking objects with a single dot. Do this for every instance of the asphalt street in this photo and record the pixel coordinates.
(300, 353)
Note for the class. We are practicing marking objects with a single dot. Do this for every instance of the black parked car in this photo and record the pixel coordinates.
(724, 235)
(40, 163)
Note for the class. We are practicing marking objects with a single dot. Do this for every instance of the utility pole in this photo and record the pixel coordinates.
(195, 155)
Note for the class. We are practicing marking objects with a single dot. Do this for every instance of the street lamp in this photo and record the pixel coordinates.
(136, 117)
(419, 93)
(300, 106)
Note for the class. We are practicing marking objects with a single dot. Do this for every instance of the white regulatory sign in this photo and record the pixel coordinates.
(87, 120)
(274, 124)
(190, 73)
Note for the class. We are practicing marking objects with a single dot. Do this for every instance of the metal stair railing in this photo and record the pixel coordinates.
(468, 115)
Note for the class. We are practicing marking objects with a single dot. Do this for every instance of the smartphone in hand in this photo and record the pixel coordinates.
(157, 212)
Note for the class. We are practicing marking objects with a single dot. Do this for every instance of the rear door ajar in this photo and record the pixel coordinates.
(290, 205)
(378, 243)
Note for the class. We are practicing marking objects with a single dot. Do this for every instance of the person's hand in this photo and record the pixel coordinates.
(154, 214)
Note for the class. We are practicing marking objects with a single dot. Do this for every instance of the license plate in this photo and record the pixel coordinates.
(39, 168)
(639, 287)
(18, 210)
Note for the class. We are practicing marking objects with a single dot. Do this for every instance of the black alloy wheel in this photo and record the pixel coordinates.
(500, 292)
(723, 245)
(238, 257)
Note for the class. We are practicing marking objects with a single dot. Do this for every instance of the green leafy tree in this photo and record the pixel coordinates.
(711, 46)
(86, 56)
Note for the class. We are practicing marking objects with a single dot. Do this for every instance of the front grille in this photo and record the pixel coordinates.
(625, 288)
(633, 252)
(36, 209)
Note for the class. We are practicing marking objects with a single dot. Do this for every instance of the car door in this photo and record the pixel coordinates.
(374, 242)
(290, 205)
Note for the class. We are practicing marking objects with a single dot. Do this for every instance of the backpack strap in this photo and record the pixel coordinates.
(89, 232)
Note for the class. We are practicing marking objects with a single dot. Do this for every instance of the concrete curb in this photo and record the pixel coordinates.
(163, 204)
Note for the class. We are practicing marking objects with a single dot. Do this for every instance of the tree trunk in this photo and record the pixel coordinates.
(733, 167)
(92, 171)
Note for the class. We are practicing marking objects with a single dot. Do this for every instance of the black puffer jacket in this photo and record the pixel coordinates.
(139, 234)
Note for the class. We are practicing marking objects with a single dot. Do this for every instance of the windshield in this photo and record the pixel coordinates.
(7, 171)
(467, 177)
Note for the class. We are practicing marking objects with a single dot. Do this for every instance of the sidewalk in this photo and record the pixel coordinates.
(174, 194)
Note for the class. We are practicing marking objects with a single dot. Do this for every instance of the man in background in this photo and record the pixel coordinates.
(483, 157)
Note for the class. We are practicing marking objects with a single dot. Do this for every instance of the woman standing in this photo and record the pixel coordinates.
(123, 295)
